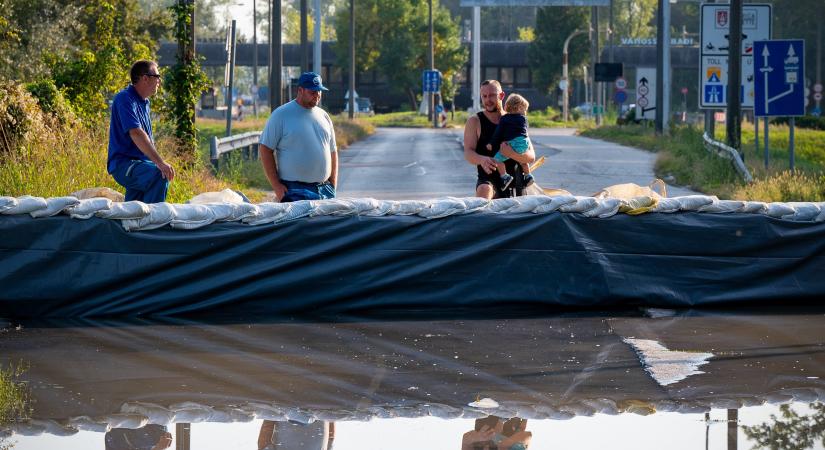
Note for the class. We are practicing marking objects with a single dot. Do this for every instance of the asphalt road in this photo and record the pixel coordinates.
(415, 163)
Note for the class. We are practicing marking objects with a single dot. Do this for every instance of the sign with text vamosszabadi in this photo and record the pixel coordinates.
(466, 3)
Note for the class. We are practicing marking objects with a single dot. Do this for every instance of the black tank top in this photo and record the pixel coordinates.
(487, 130)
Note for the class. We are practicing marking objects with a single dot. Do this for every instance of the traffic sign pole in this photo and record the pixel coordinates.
(793, 122)
(767, 143)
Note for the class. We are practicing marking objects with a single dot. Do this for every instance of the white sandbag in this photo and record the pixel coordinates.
(131, 421)
(667, 205)
(280, 212)
(752, 207)
(382, 208)
(803, 211)
(332, 207)
(87, 208)
(694, 202)
(474, 204)
(821, 216)
(54, 206)
(86, 423)
(7, 203)
(555, 203)
(364, 206)
(154, 413)
(104, 192)
(779, 210)
(191, 216)
(224, 196)
(26, 205)
(125, 210)
(606, 207)
(502, 205)
(238, 211)
(528, 203)
(442, 207)
(160, 214)
(722, 207)
(582, 204)
(408, 207)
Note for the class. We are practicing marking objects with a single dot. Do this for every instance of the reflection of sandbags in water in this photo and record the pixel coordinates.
(103, 192)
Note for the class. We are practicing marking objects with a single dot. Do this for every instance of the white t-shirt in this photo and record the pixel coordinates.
(303, 141)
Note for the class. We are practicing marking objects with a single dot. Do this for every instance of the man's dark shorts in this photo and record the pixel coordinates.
(494, 180)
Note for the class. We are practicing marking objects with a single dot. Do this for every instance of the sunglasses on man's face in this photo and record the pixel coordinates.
(153, 75)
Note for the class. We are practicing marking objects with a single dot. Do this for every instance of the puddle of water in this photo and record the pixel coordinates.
(392, 384)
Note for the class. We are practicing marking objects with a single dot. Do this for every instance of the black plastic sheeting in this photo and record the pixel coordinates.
(60, 267)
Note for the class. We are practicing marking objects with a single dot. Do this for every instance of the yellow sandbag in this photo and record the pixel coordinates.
(627, 191)
(638, 205)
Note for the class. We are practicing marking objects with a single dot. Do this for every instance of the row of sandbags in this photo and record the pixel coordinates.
(136, 215)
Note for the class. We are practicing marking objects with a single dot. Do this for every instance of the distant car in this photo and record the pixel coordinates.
(363, 105)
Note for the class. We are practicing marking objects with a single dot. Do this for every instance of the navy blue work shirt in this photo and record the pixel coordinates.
(129, 111)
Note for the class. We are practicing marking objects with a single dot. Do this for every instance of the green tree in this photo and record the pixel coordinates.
(402, 51)
(634, 18)
(553, 25)
(791, 431)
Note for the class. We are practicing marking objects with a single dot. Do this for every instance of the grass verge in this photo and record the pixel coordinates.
(548, 118)
(683, 159)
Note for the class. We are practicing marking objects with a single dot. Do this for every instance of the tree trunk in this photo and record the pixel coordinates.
(414, 104)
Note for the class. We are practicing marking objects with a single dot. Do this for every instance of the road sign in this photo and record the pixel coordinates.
(818, 96)
(817, 87)
(713, 75)
(684, 91)
(645, 93)
(780, 76)
(816, 112)
(431, 81)
(620, 97)
(563, 85)
(621, 83)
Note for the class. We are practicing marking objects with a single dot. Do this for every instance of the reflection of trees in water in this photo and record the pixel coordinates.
(14, 400)
(791, 431)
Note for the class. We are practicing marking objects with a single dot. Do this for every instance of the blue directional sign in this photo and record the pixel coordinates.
(431, 81)
(779, 77)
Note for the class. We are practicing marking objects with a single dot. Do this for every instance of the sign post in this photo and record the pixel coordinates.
(780, 83)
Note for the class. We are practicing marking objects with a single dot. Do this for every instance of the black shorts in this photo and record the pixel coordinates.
(494, 180)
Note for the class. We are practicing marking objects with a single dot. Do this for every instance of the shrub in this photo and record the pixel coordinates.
(52, 102)
(19, 117)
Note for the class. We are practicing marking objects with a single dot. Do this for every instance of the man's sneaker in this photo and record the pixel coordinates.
(528, 180)
(506, 179)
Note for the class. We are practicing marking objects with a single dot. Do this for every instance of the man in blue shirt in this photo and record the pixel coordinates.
(134, 161)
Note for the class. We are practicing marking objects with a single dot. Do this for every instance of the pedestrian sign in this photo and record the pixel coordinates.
(779, 77)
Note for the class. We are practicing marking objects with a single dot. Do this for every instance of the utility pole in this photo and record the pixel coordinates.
(351, 59)
(432, 115)
(304, 40)
(254, 59)
(564, 74)
(276, 57)
(316, 54)
(734, 118)
(663, 67)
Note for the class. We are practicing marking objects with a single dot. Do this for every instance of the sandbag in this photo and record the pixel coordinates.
(26, 205)
(54, 206)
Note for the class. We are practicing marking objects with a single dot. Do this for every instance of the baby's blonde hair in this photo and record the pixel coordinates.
(516, 104)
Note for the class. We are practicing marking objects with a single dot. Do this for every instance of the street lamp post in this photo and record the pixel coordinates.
(566, 87)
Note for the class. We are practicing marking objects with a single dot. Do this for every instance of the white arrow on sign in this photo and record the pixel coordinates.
(767, 69)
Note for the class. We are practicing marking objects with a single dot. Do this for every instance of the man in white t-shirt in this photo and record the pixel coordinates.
(298, 148)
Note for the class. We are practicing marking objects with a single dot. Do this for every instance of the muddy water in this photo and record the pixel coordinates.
(647, 379)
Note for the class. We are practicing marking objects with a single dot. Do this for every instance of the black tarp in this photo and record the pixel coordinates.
(71, 268)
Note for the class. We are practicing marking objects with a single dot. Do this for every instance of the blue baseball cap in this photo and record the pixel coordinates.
(311, 81)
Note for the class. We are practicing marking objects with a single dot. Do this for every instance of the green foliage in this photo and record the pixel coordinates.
(401, 53)
(791, 431)
(18, 113)
(14, 397)
(52, 101)
(184, 83)
(553, 25)
(635, 18)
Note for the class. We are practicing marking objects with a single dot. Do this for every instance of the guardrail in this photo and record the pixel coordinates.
(248, 141)
(730, 153)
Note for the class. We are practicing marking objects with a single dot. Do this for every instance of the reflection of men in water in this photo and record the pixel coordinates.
(150, 437)
(495, 433)
(289, 435)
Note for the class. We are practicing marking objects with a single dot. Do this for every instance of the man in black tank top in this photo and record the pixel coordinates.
(477, 133)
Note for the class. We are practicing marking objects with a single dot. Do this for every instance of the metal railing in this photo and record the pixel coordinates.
(730, 153)
(247, 141)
